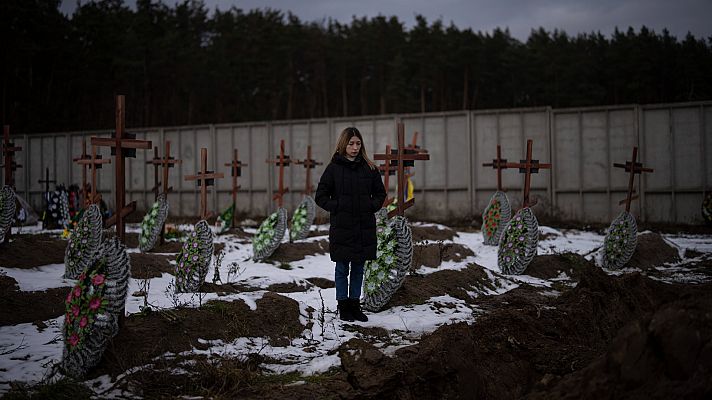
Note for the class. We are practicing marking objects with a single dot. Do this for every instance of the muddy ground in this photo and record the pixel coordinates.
(603, 336)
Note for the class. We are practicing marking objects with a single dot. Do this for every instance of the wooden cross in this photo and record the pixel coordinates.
(166, 162)
(309, 164)
(282, 161)
(94, 162)
(122, 145)
(528, 167)
(83, 156)
(8, 151)
(387, 169)
(633, 167)
(499, 164)
(235, 171)
(403, 159)
(46, 180)
(156, 161)
(204, 179)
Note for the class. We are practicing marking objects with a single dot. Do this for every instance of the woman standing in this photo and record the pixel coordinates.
(351, 191)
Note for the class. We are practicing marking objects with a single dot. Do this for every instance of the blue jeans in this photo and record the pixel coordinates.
(344, 288)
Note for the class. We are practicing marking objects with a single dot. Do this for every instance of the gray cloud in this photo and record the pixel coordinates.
(520, 16)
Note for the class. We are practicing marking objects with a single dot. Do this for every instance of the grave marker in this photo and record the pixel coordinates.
(83, 156)
(282, 161)
(8, 150)
(204, 179)
(236, 172)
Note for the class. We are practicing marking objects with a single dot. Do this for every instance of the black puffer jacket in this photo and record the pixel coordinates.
(351, 192)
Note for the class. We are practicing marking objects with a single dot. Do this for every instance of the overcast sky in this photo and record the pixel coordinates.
(520, 16)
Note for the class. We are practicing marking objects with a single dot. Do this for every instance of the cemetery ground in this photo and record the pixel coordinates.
(456, 328)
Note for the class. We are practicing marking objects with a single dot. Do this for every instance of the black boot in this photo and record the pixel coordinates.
(344, 308)
(356, 312)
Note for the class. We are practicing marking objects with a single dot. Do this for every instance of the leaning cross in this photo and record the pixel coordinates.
(94, 162)
(309, 164)
(528, 167)
(403, 159)
(235, 171)
(204, 179)
(8, 151)
(282, 162)
(499, 164)
(633, 167)
(122, 145)
(83, 156)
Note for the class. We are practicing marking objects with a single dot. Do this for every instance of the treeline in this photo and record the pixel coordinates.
(187, 65)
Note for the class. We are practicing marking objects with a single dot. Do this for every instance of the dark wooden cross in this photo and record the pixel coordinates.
(122, 145)
(309, 164)
(204, 179)
(633, 167)
(282, 161)
(387, 169)
(83, 156)
(156, 161)
(94, 162)
(528, 167)
(499, 164)
(403, 159)
(46, 180)
(8, 152)
(236, 172)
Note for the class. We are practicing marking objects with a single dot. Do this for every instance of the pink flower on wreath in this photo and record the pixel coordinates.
(69, 296)
(83, 322)
(75, 310)
(74, 339)
(97, 280)
(95, 303)
(82, 276)
(77, 291)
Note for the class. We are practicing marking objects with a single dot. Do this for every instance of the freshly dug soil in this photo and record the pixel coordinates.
(18, 307)
(431, 233)
(652, 251)
(433, 254)
(542, 346)
(167, 247)
(145, 266)
(321, 283)
(551, 266)
(30, 251)
(289, 252)
(150, 335)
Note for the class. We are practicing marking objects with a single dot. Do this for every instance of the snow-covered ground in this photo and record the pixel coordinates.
(27, 352)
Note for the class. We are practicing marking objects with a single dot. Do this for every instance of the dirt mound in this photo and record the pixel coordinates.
(433, 254)
(153, 334)
(526, 342)
(145, 266)
(30, 251)
(552, 265)
(321, 283)
(664, 356)
(288, 252)
(417, 289)
(652, 251)
(433, 233)
(18, 307)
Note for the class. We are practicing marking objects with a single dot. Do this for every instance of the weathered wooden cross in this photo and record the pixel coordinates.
(236, 172)
(282, 161)
(309, 164)
(122, 145)
(8, 151)
(156, 161)
(633, 167)
(499, 164)
(94, 162)
(165, 163)
(403, 159)
(204, 179)
(387, 169)
(83, 156)
(528, 167)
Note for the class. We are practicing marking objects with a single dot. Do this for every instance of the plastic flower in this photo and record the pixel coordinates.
(83, 322)
(75, 310)
(74, 339)
(95, 303)
(98, 280)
